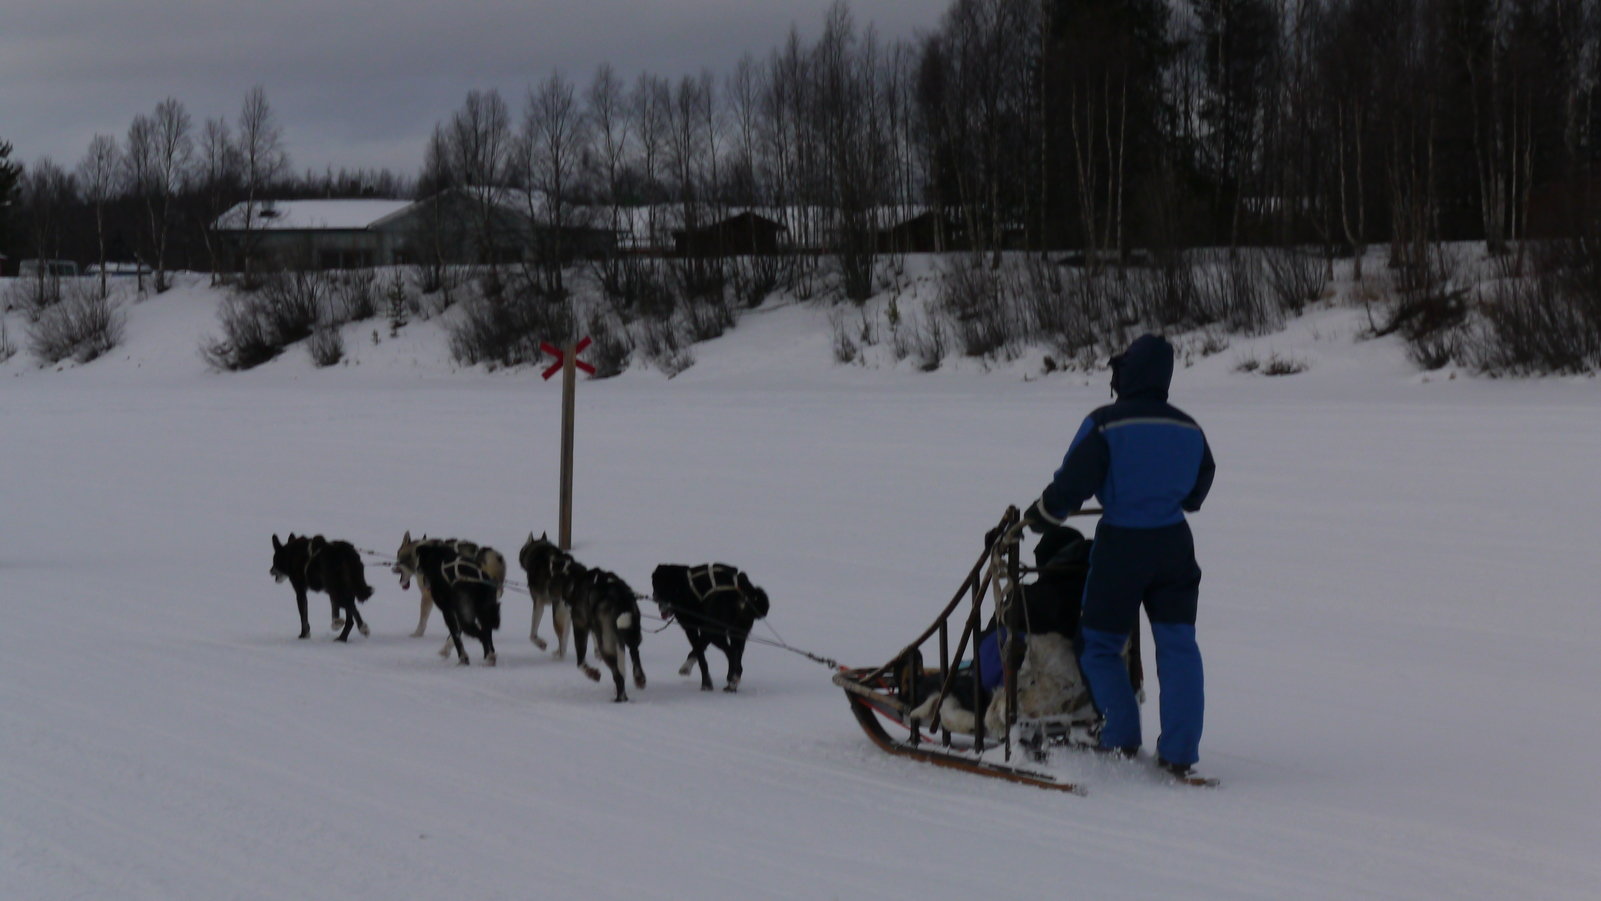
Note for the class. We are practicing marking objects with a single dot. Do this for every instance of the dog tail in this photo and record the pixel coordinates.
(363, 590)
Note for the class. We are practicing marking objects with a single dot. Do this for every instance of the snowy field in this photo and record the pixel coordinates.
(1400, 618)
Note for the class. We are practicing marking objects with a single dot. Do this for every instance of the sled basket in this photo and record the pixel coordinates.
(887, 695)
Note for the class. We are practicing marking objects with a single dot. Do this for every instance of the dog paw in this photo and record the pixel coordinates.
(364, 629)
(417, 634)
(684, 670)
(620, 699)
(538, 642)
(338, 624)
(639, 680)
(592, 673)
(489, 660)
(731, 687)
(705, 686)
(343, 638)
(463, 662)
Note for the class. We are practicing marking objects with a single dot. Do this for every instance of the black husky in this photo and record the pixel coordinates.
(602, 603)
(466, 597)
(715, 604)
(317, 564)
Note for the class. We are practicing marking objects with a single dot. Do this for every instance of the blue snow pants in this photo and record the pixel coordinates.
(1155, 568)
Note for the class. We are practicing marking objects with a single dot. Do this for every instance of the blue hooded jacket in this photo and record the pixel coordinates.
(1145, 460)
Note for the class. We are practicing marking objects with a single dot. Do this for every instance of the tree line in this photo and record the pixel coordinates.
(1118, 130)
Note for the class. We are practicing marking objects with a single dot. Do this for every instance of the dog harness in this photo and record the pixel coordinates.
(714, 578)
(463, 570)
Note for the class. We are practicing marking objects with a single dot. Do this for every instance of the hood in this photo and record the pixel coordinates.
(1144, 371)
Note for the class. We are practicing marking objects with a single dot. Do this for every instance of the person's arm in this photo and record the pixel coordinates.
(1081, 474)
(1203, 479)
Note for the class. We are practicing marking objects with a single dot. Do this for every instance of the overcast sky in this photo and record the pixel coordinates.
(358, 83)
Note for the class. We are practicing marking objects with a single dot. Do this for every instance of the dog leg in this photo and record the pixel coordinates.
(699, 653)
(348, 623)
(427, 606)
(444, 650)
(533, 630)
(639, 669)
(560, 618)
(305, 624)
(338, 621)
(352, 613)
(736, 661)
(608, 653)
(581, 646)
(488, 641)
(453, 624)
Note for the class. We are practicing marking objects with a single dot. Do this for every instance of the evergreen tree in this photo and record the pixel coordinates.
(10, 176)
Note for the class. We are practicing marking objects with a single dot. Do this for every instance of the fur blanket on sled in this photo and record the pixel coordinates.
(1048, 686)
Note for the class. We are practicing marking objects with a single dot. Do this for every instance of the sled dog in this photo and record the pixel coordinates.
(716, 605)
(551, 572)
(487, 558)
(602, 604)
(466, 593)
(317, 564)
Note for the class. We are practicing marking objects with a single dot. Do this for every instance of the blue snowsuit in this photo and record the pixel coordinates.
(1148, 463)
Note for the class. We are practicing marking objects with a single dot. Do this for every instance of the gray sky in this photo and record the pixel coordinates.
(358, 83)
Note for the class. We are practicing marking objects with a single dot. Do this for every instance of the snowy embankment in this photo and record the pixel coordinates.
(1399, 619)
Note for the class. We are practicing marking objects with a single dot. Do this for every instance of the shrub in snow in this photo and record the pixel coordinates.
(611, 348)
(354, 296)
(33, 295)
(661, 345)
(1296, 277)
(83, 326)
(395, 304)
(257, 325)
(247, 337)
(1277, 365)
(980, 304)
(507, 331)
(754, 278)
(7, 348)
(1232, 288)
(326, 346)
(1537, 325)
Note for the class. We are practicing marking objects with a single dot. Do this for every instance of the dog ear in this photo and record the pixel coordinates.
(543, 536)
(406, 538)
(276, 544)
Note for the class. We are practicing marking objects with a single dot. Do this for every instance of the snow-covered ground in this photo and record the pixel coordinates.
(1399, 616)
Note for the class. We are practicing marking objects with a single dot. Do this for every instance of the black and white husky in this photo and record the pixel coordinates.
(316, 564)
(551, 574)
(467, 597)
(487, 558)
(602, 604)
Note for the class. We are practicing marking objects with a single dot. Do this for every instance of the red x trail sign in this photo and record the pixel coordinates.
(561, 357)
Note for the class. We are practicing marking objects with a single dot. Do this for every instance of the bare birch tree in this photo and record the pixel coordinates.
(262, 160)
(99, 179)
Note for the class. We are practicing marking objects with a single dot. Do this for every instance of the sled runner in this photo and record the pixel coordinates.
(928, 702)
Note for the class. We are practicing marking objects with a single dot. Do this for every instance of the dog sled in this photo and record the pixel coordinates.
(916, 711)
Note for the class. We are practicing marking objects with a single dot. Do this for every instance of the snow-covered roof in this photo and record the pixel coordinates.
(311, 215)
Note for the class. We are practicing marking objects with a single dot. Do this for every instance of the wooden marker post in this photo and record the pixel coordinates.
(568, 364)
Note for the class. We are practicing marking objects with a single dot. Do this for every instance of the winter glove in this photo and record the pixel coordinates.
(1034, 519)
